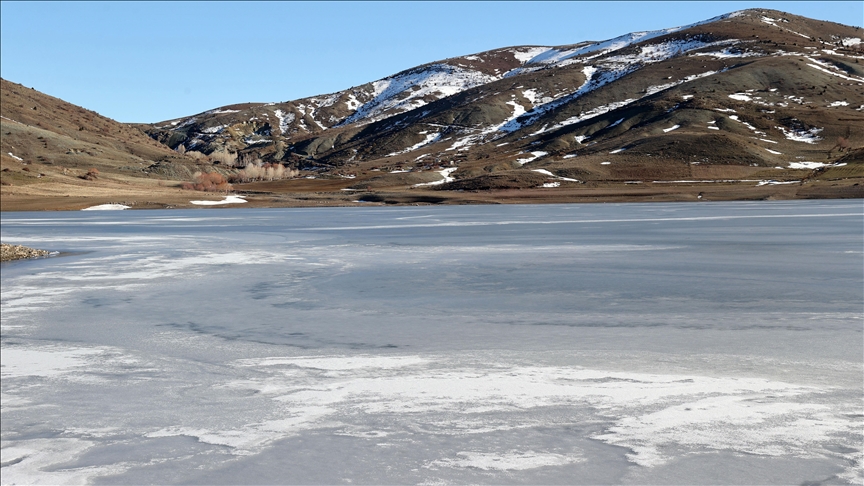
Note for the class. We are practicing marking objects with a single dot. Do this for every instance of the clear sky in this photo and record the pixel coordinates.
(154, 61)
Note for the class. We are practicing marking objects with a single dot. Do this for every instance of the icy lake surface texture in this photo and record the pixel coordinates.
(715, 343)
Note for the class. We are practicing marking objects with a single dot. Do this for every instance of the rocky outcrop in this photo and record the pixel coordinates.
(18, 252)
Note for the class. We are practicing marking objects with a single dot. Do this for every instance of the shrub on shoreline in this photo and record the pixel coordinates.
(208, 182)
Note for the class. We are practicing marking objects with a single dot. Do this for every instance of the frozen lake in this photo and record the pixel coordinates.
(578, 344)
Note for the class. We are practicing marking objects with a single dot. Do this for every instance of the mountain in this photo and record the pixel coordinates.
(730, 98)
(748, 105)
(49, 146)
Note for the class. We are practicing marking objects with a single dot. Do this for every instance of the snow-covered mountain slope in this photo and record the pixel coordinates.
(757, 82)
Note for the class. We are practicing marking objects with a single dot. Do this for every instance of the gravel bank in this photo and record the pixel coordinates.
(18, 252)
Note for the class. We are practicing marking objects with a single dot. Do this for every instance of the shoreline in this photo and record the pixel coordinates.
(279, 196)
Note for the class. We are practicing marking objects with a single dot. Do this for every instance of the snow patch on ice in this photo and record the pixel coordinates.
(43, 361)
(507, 461)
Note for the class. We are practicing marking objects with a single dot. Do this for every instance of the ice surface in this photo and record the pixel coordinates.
(593, 344)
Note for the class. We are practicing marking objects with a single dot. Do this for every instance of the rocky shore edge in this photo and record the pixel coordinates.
(18, 252)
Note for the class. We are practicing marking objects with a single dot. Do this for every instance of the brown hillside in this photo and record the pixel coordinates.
(48, 147)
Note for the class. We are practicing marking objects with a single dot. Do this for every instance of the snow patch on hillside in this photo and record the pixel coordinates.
(550, 174)
(527, 54)
(831, 69)
(611, 69)
(806, 136)
(808, 165)
(107, 207)
(536, 98)
(353, 103)
(446, 178)
(217, 111)
(405, 91)
(285, 120)
(227, 200)
(729, 52)
(534, 156)
(430, 138)
(214, 130)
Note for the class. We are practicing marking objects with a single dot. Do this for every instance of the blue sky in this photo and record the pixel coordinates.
(154, 61)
